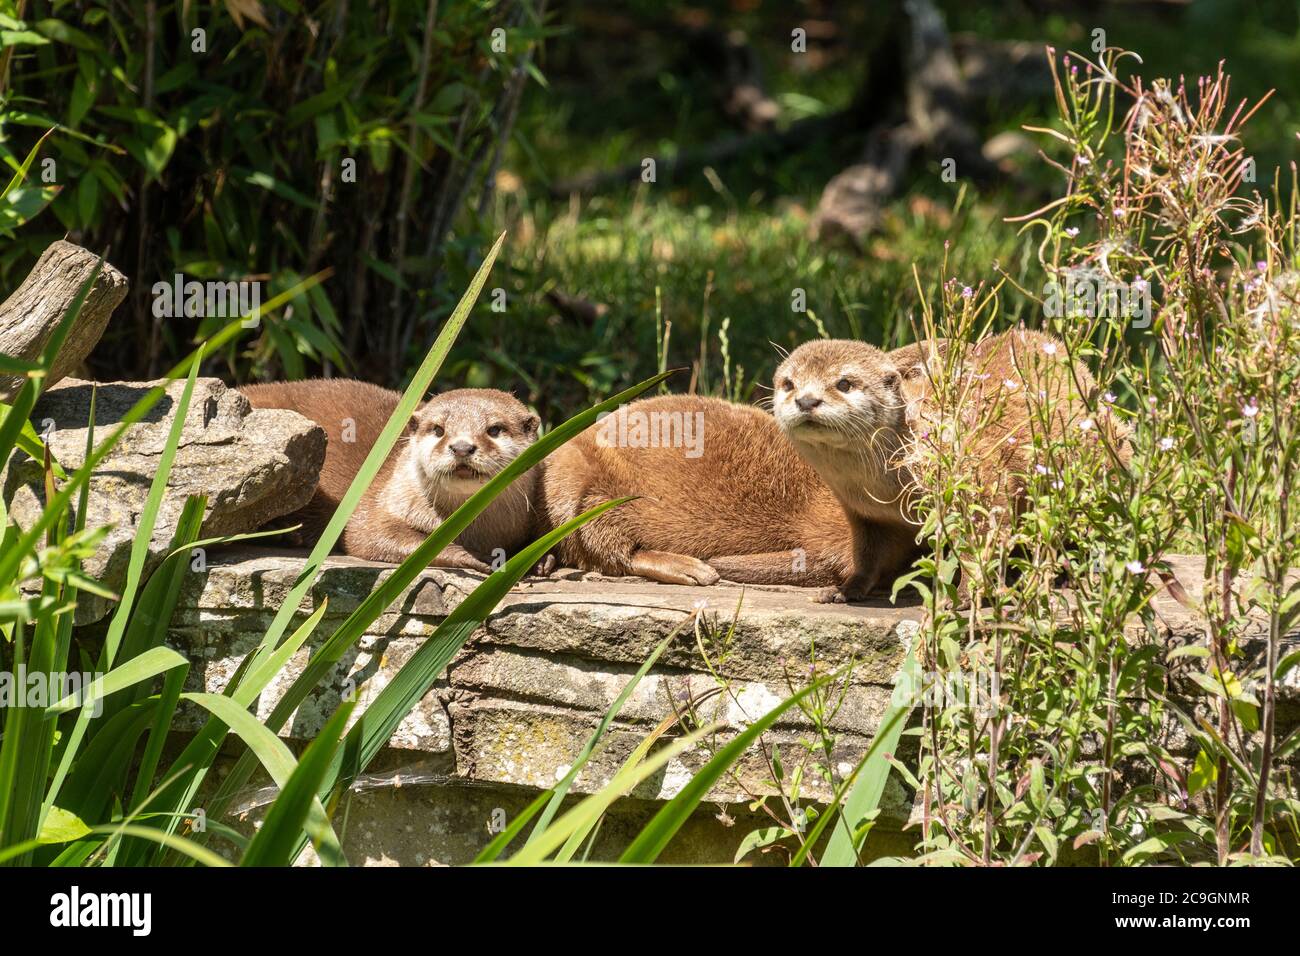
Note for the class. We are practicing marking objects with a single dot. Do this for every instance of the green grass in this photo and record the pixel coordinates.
(616, 95)
(710, 265)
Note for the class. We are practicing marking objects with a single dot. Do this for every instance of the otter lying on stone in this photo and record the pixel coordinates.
(720, 493)
(453, 444)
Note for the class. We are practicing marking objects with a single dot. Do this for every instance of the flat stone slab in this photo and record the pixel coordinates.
(520, 700)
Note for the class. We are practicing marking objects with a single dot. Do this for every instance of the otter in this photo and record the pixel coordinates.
(721, 493)
(453, 444)
(851, 409)
(841, 403)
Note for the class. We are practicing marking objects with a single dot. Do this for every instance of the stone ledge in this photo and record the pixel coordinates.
(520, 700)
(523, 696)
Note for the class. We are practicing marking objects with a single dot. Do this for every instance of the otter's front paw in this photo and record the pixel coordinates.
(454, 556)
(671, 568)
(854, 589)
(545, 567)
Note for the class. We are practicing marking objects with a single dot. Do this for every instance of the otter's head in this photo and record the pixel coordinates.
(839, 394)
(463, 437)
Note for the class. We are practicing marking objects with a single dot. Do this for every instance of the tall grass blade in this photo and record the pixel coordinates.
(145, 667)
(278, 837)
(153, 611)
(650, 842)
(846, 839)
(202, 750)
(377, 724)
(589, 748)
(197, 852)
(388, 437)
(275, 756)
(135, 569)
(585, 815)
(498, 843)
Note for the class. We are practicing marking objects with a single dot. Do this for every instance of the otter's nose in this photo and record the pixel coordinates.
(463, 449)
(807, 403)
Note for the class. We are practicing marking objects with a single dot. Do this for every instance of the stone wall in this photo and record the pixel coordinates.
(520, 700)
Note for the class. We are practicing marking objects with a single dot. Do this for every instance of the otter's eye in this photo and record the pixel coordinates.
(438, 431)
(787, 386)
(890, 380)
(844, 385)
(495, 431)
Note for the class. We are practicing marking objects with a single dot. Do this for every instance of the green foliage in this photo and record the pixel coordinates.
(262, 142)
(1068, 754)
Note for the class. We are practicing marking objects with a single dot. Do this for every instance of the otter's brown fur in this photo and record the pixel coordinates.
(851, 410)
(446, 454)
(1010, 379)
(746, 506)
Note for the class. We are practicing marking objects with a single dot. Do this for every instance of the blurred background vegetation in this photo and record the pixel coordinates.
(226, 153)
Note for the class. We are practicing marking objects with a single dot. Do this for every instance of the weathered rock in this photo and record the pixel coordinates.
(253, 465)
(518, 703)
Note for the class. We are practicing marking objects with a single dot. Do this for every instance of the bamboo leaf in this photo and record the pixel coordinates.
(21, 173)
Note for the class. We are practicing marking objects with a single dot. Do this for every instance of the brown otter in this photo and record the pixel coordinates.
(851, 410)
(721, 492)
(842, 405)
(453, 444)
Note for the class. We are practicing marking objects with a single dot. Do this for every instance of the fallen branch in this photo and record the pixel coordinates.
(30, 315)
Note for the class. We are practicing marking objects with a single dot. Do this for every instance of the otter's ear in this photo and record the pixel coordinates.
(530, 425)
(911, 360)
(413, 423)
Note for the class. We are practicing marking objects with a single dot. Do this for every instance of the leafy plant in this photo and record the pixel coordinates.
(84, 788)
(267, 142)
(1070, 753)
